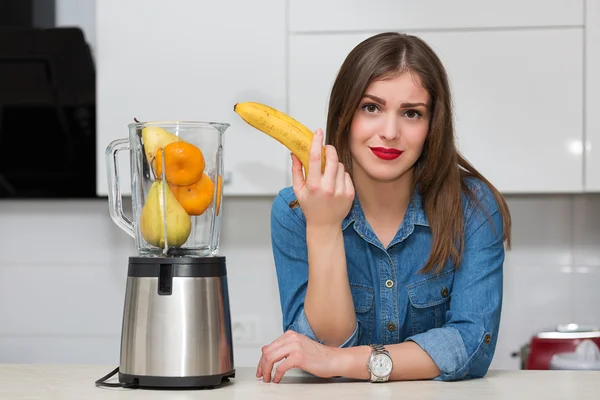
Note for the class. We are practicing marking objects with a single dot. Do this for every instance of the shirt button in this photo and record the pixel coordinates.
(444, 291)
(389, 283)
(391, 327)
(487, 339)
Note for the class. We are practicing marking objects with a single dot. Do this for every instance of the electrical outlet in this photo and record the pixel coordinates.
(245, 330)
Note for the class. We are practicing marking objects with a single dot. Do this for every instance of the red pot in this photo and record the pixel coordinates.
(546, 344)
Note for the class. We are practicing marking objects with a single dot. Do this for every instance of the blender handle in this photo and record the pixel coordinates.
(115, 199)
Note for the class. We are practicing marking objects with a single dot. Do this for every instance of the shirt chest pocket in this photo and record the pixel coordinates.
(429, 302)
(363, 297)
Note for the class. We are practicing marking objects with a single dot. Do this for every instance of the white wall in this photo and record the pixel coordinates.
(63, 267)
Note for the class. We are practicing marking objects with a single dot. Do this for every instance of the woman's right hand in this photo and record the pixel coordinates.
(325, 198)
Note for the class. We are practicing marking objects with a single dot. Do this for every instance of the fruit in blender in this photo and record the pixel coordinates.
(219, 190)
(281, 127)
(197, 197)
(184, 163)
(153, 138)
(154, 214)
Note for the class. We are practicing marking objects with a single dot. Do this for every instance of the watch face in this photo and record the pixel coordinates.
(381, 365)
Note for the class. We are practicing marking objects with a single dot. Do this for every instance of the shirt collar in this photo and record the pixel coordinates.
(415, 214)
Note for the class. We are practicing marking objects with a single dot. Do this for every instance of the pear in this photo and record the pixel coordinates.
(155, 137)
(179, 224)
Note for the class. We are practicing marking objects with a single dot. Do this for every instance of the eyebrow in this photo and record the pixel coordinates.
(409, 105)
(403, 105)
(377, 99)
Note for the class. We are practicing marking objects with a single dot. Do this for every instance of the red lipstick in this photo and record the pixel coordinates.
(386, 154)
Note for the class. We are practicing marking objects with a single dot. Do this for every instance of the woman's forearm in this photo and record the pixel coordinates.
(410, 362)
(328, 304)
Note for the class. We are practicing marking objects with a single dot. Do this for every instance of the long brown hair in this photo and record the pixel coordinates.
(441, 170)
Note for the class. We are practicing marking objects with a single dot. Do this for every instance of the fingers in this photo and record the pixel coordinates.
(287, 354)
(278, 350)
(331, 167)
(283, 367)
(331, 182)
(268, 360)
(349, 186)
(297, 175)
(340, 180)
(265, 364)
(314, 159)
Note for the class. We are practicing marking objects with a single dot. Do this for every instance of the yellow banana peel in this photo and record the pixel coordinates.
(286, 130)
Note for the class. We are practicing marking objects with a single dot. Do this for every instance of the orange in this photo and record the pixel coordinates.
(195, 198)
(158, 162)
(219, 189)
(184, 163)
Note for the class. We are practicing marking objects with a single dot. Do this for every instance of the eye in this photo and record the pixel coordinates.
(370, 107)
(412, 114)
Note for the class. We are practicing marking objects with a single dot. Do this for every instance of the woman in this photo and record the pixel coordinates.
(400, 242)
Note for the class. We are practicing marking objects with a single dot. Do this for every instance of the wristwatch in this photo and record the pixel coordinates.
(379, 364)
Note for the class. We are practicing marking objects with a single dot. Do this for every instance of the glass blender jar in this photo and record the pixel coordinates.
(176, 187)
(176, 329)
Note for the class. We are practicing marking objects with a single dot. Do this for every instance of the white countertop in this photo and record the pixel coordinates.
(75, 382)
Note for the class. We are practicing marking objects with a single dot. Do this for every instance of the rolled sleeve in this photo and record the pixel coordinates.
(303, 327)
(464, 346)
(446, 348)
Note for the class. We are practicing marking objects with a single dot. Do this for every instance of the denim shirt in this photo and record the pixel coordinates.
(454, 316)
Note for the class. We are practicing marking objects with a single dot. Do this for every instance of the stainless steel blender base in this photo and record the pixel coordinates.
(176, 323)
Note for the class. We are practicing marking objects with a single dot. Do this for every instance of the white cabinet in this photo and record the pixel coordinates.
(592, 92)
(194, 60)
(318, 16)
(524, 91)
(518, 97)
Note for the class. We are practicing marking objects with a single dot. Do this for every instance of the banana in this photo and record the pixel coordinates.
(281, 127)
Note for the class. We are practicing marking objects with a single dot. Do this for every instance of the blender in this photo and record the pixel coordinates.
(176, 327)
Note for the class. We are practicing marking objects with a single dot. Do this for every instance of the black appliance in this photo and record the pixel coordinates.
(47, 113)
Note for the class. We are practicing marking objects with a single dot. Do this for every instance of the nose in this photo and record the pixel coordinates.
(391, 128)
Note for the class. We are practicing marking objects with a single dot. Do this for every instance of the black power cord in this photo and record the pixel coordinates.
(102, 381)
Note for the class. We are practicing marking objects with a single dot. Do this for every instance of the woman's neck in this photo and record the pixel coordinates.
(383, 201)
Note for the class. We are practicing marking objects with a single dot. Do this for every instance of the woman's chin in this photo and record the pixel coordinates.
(382, 171)
(386, 175)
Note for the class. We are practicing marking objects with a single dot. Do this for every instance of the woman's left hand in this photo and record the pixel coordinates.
(297, 351)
